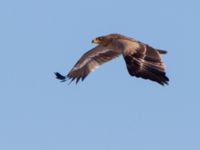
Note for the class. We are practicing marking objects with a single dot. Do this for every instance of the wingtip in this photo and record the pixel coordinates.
(165, 81)
(60, 77)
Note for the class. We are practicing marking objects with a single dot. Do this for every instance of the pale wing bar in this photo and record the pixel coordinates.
(90, 61)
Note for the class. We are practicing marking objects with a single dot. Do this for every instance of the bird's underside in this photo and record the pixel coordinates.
(141, 59)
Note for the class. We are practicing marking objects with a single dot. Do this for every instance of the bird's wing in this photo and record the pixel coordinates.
(145, 62)
(90, 61)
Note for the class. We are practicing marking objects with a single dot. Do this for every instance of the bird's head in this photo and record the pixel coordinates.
(98, 40)
(105, 39)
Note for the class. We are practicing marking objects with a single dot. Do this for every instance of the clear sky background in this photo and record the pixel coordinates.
(109, 110)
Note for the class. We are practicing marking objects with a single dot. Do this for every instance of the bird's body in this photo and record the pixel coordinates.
(141, 59)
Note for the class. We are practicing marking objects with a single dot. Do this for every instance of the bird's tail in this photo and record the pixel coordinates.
(161, 51)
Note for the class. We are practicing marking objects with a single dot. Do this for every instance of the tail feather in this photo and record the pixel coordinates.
(161, 51)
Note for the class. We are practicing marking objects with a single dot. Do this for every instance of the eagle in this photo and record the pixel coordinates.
(142, 60)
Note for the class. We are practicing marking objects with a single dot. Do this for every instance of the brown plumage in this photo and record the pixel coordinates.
(141, 59)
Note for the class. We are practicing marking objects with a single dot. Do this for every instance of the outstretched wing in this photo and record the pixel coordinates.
(90, 61)
(145, 62)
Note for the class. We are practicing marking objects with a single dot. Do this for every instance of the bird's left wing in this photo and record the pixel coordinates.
(90, 61)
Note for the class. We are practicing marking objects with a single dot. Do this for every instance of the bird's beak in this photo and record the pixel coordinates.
(95, 41)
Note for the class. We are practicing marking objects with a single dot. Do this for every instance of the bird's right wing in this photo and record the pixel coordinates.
(90, 61)
(145, 62)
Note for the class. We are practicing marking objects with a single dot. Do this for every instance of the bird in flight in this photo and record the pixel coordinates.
(142, 60)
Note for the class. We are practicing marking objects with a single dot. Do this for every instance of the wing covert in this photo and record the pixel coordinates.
(90, 61)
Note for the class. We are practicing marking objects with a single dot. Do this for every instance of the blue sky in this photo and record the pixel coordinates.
(109, 110)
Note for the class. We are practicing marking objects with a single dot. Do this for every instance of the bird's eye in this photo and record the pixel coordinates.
(100, 38)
